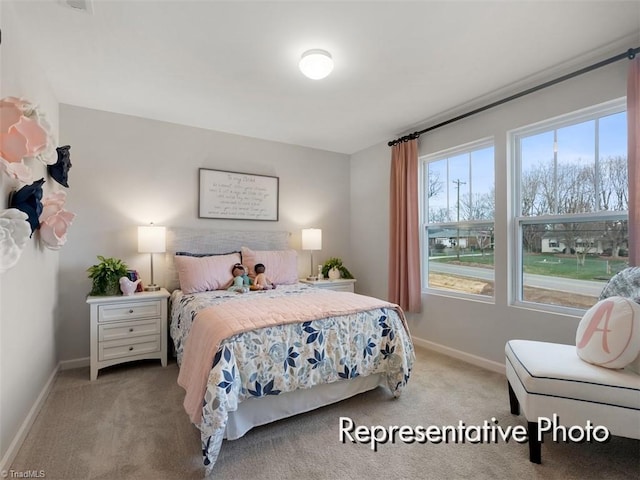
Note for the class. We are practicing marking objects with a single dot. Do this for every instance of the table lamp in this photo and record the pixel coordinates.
(152, 239)
(311, 240)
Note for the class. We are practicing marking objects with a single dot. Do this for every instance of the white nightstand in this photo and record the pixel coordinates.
(340, 285)
(126, 328)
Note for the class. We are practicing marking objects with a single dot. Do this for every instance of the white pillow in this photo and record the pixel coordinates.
(609, 333)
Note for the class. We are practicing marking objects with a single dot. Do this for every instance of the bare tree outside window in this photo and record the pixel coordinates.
(459, 208)
(574, 178)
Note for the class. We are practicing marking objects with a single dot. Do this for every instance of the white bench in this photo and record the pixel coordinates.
(547, 379)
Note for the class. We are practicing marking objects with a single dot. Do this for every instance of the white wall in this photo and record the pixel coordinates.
(476, 328)
(129, 171)
(28, 292)
(370, 184)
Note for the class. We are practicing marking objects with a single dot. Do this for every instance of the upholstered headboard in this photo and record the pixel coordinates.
(216, 241)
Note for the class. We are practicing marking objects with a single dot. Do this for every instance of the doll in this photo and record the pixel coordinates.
(261, 281)
(241, 281)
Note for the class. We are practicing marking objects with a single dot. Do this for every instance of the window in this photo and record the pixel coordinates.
(457, 217)
(571, 206)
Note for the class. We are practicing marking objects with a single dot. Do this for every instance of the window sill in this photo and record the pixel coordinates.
(459, 295)
(551, 309)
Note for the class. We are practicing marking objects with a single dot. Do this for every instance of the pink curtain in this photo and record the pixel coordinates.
(404, 236)
(633, 159)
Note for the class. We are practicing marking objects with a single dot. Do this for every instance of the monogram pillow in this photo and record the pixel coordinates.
(609, 333)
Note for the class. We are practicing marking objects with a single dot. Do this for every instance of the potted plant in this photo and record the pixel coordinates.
(334, 265)
(106, 276)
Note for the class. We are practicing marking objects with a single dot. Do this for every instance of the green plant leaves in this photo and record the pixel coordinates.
(106, 274)
(335, 262)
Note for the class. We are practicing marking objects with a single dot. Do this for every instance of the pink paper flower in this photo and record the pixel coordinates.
(16, 170)
(13, 145)
(55, 220)
(24, 132)
(52, 204)
(35, 135)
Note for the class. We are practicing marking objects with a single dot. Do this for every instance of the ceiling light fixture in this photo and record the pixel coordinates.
(79, 5)
(316, 64)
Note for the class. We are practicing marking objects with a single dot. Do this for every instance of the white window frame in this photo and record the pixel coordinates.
(424, 215)
(591, 113)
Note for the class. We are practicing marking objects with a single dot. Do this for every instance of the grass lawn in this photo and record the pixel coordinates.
(555, 265)
(594, 268)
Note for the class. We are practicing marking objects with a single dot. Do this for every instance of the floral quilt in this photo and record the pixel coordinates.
(284, 358)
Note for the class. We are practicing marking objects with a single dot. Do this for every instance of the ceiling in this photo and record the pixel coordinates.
(232, 66)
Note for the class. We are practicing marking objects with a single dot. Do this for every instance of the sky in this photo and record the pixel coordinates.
(475, 169)
(577, 142)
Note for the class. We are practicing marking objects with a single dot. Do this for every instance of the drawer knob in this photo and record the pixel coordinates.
(131, 329)
(131, 310)
(130, 348)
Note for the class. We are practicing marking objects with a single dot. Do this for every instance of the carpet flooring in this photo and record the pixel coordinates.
(130, 425)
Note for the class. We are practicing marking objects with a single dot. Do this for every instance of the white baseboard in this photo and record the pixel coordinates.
(18, 440)
(75, 363)
(460, 355)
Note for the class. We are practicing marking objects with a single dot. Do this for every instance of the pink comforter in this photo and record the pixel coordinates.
(217, 323)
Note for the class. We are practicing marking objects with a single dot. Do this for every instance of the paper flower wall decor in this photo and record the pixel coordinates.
(29, 200)
(14, 232)
(16, 170)
(59, 171)
(24, 133)
(54, 220)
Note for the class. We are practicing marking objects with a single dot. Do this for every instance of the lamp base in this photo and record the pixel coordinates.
(152, 288)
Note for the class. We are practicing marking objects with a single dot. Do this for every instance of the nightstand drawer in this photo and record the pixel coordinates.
(345, 287)
(134, 328)
(128, 347)
(121, 311)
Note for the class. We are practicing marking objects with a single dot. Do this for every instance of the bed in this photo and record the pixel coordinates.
(247, 359)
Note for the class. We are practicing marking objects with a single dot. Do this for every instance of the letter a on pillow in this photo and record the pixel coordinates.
(609, 333)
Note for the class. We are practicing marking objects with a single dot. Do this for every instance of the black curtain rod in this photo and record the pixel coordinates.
(630, 54)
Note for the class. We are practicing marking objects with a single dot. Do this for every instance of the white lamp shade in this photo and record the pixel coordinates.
(312, 239)
(316, 64)
(152, 239)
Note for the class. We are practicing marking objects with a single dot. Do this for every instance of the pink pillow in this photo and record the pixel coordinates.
(281, 265)
(200, 274)
(609, 333)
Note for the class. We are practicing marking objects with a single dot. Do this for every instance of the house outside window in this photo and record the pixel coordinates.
(570, 204)
(458, 208)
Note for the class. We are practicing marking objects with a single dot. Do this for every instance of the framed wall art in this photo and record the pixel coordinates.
(237, 196)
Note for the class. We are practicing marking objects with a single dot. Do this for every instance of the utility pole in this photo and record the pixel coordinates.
(458, 182)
